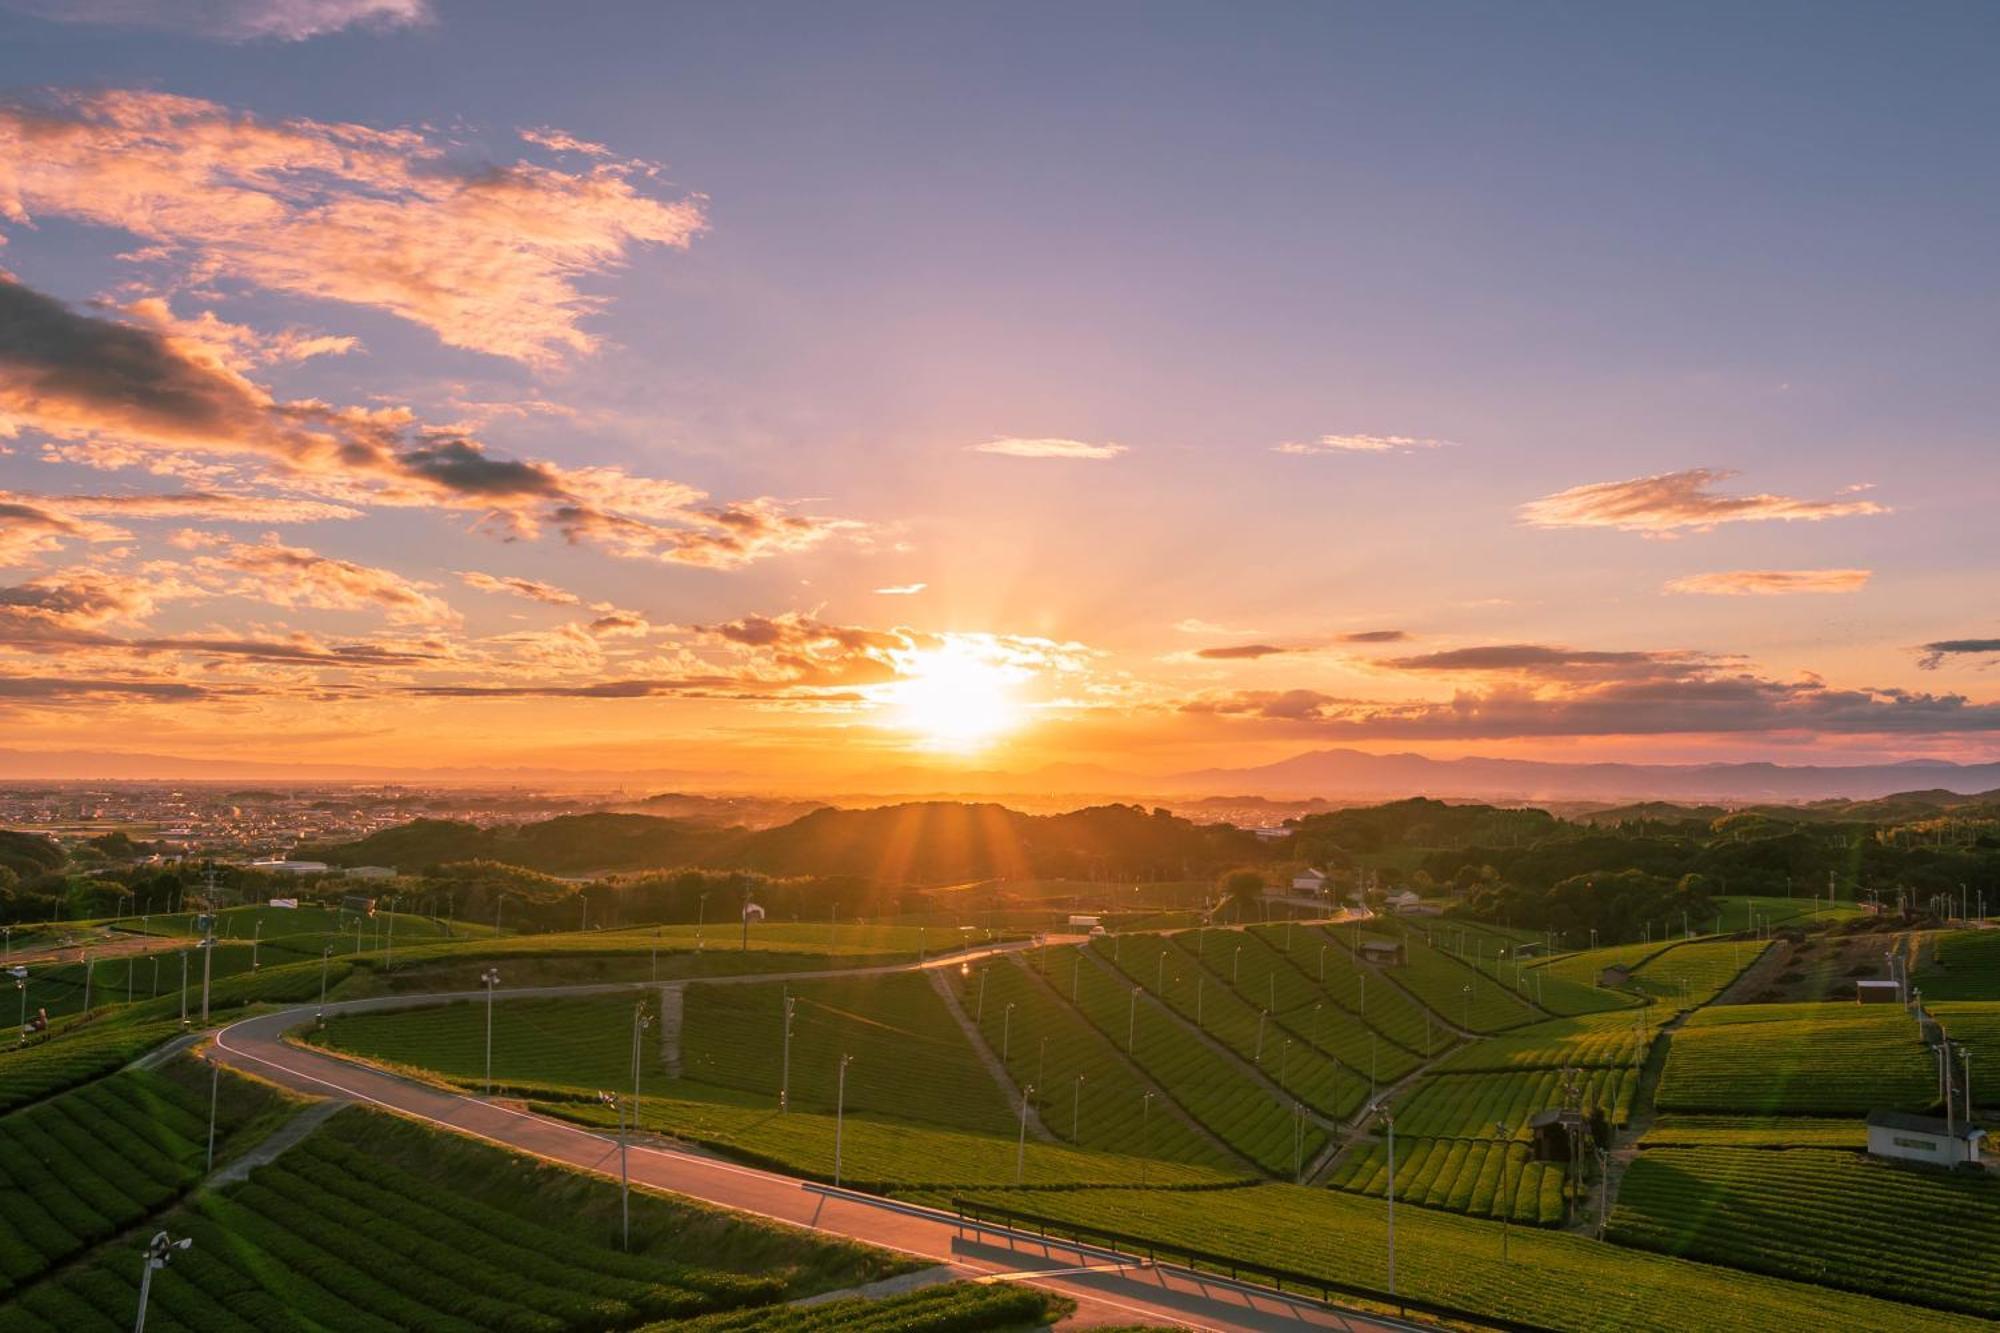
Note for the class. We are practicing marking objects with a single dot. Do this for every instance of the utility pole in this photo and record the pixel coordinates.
(785, 1067)
(214, 1099)
(840, 1115)
(325, 958)
(1132, 1020)
(1021, 1145)
(207, 965)
(1076, 1112)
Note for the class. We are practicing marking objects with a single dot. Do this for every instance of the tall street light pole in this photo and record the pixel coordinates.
(491, 978)
(624, 1173)
(1388, 1118)
(840, 1115)
(155, 1256)
(1145, 1144)
(785, 1066)
(1021, 1145)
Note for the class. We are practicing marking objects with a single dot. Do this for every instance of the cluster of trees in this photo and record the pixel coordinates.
(1620, 905)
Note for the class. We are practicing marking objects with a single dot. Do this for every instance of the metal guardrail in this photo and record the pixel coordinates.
(1201, 1262)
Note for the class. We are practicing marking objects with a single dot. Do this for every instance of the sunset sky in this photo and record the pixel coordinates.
(782, 392)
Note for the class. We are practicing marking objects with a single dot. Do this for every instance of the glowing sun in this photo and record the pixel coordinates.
(957, 699)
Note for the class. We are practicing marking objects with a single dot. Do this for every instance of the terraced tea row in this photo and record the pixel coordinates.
(1485, 1178)
(1837, 1218)
(1551, 1279)
(1841, 1059)
(84, 1166)
(372, 1223)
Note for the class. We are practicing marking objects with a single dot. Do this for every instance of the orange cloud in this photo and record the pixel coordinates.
(293, 576)
(1771, 582)
(486, 257)
(126, 393)
(1660, 505)
(532, 589)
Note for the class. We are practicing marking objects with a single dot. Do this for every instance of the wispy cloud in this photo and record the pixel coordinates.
(1021, 447)
(533, 590)
(234, 20)
(294, 576)
(1376, 636)
(1663, 504)
(1934, 654)
(1358, 444)
(902, 590)
(1241, 652)
(486, 256)
(1771, 582)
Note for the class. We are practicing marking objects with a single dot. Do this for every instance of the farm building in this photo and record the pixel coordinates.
(1382, 952)
(371, 872)
(1309, 881)
(1403, 901)
(752, 912)
(1878, 992)
(1553, 1131)
(1617, 974)
(359, 903)
(1922, 1138)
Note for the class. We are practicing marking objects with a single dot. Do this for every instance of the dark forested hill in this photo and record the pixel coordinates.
(929, 842)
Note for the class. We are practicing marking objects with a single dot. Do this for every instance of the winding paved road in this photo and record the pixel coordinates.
(1108, 1288)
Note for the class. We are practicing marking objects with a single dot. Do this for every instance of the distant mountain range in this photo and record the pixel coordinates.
(1353, 774)
(1333, 775)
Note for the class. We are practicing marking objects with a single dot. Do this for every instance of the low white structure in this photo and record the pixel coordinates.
(1309, 881)
(290, 867)
(1878, 992)
(1922, 1138)
(371, 872)
(1404, 901)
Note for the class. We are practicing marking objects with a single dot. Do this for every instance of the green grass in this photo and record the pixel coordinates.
(376, 1223)
(910, 1058)
(1965, 965)
(579, 1043)
(1713, 1131)
(870, 942)
(1828, 1059)
(1050, 1046)
(1615, 1039)
(1554, 1279)
(952, 1307)
(1837, 1218)
(879, 1152)
(1741, 913)
(29, 1073)
(83, 1166)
